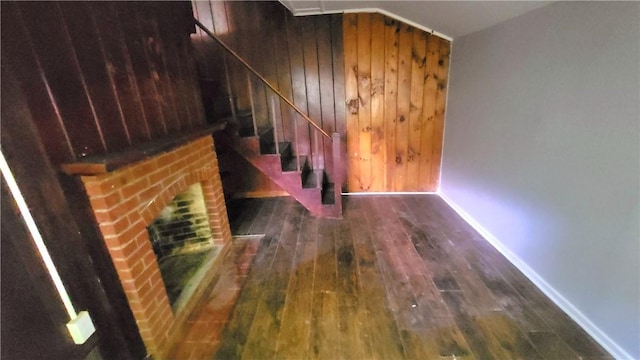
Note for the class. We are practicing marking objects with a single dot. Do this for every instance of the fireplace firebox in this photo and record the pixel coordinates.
(133, 204)
(181, 239)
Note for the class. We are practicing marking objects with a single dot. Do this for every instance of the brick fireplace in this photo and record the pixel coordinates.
(126, 201)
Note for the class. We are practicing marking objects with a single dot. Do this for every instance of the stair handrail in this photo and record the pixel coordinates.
(264, 81)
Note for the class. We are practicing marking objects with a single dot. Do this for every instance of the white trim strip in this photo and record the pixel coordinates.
(444, 121)
(315, 11)
(583, 321)
(387, 193)
(35, 235)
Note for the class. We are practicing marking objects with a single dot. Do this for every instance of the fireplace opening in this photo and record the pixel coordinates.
(182, 242)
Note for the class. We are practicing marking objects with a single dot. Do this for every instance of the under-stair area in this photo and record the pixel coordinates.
(295, 160)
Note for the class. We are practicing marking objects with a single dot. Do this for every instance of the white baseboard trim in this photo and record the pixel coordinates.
(373, 193)
(598, 335)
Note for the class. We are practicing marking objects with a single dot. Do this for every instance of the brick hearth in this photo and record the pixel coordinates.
(127, 200)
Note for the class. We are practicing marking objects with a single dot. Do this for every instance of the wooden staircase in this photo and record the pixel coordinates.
(292, 173)
(278, 158)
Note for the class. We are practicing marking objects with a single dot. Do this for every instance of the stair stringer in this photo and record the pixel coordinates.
(289, 181)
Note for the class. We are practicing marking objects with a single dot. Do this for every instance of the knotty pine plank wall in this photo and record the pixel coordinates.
(395, 83)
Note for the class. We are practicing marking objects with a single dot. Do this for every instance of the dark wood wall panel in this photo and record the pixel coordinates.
(396, 81)
(47, 32)
(283, 69)
(98, 292)
(18, 52)
(120, 71)
(94, 75)
(103, 76)
(312, 85)
(300, 56)
(82, 79)
(298, 82)
(146, 84)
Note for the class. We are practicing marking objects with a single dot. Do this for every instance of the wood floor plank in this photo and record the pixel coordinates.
(384, 339)
(439, 334)
(551, 346)
(237, 331)
(265, 326)
(559, 322)
(482, 342)
(510, 339)
(400, 277)
(391, 264)
(473, 246)
(325, 325)
(293, 339)
(348, 279)
(442, 255)
(324, 339)
(242, 214)
(267, 321)
(352, 316)
(325, 278)
(259, 226)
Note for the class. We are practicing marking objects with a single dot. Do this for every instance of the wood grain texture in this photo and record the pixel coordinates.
(300, 56)
(414, 153)
(90, 285)
(281, 47)
(429, 101)
(377, 102)
(363, 176)
(385, 282)
(312, 85)
(441, 103)
(57, 59)
(405, 41)
(390, 100)
(399, 137)
(101, 77)
(352, 100)
(84, 80)
(327, 102)
(26, 68)
(90, 60)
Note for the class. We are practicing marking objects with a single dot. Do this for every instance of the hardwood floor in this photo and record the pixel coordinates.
(400, 277)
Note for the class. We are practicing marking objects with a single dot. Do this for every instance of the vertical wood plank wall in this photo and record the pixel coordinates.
(379, 81)
(395, 85)
(81, 79)
(102, 77)
(301, 56)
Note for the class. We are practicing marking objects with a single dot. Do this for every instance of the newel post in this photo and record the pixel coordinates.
(338, 169)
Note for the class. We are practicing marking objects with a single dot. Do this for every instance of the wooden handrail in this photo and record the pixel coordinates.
(265, 81)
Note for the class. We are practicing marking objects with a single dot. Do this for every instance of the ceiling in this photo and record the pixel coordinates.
(449, 18)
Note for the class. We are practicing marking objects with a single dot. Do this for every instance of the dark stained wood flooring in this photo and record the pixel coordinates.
(400, 277)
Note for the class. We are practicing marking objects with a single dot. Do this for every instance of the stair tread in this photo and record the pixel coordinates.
(270, 149)
(242, 123)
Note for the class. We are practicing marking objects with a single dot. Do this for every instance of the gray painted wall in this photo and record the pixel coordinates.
(542, 149)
